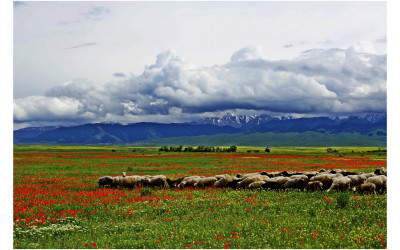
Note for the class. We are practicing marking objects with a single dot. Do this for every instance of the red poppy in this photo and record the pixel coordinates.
(94, 245)
(301, 243)
(226, 246)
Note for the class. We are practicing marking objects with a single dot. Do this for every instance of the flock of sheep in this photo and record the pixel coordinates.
(339, 180)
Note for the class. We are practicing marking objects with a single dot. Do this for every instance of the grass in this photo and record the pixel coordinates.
(57, 203)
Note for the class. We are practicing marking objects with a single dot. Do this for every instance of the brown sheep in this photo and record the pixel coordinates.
(314, 186)
(367, 187)
(325, 179)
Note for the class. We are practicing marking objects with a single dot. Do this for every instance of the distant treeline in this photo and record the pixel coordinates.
(198, 149)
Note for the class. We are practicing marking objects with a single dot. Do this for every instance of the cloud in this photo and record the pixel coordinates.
(81, 45)
(319, 81)
(96, 13)
(17, 4)
(382, 39)
(119, 74)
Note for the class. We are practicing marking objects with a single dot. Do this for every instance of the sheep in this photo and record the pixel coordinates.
(314, 186)
(175, 183)
(380, 182)
(368, 187)
(380, 171)
(247, 181)
(272, 184)
(128, 181)
(285, 173)
(295, 183)
(340, 183)
(369, 175)
(105, 181)
(227, 181)
(325, 179)
(281, 180)
(205, 182)
(356, 180)
(256, 184)
(302, 176)
(189, 181)
(155, 181)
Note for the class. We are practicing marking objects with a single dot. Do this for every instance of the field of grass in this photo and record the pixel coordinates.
(57, 203)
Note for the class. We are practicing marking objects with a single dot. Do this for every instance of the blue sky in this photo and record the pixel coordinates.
(77, 62)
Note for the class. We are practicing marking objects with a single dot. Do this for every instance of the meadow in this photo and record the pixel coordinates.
(57, 202)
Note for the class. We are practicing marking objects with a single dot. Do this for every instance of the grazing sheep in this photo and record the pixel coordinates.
(380, 171)
(175, 183)
(247, 181)
(314, 186)
(340, 183)
(128, 181)
(205, 182)
(226, 181)
(273, 184)
(356, 180)
(369, 175)
(105, 181)
(380, 182)
(295, 183)
(281, 180)
(155, 181)
(367, 187)
(302, 176)
(256, 184)
(249, 175)
(285, 173)
(325, 179)
(189, 181)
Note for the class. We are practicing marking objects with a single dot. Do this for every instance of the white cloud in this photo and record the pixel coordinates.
(319, 81)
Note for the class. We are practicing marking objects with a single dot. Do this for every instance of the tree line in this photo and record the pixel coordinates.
(196, 149)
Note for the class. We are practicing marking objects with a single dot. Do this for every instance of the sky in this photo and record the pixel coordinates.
(80, 62)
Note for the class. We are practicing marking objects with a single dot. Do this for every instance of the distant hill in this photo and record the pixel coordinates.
(368, 130)
(300, 139)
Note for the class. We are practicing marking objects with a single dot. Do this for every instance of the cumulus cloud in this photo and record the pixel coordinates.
(328, 81)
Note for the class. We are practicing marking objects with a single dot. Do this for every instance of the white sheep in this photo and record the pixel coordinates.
(340, 183)
(205, 182)
(380, 182)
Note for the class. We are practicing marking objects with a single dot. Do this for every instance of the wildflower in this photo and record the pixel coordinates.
(158, 241)
(301, 243)
(188, 246)
(341, 236)
(226, 246)
(86, 244)
(202, 242)
(94, 245)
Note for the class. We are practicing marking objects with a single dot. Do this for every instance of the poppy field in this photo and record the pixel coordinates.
(57, 202)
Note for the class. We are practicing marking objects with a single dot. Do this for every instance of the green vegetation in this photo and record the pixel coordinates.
(57, 203)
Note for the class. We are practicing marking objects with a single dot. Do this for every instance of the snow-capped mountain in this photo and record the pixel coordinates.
(251, 121)
(235, 121)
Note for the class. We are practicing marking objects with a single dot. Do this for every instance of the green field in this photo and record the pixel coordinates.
(57, 203)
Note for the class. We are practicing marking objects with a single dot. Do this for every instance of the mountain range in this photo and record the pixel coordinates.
(367, 125)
